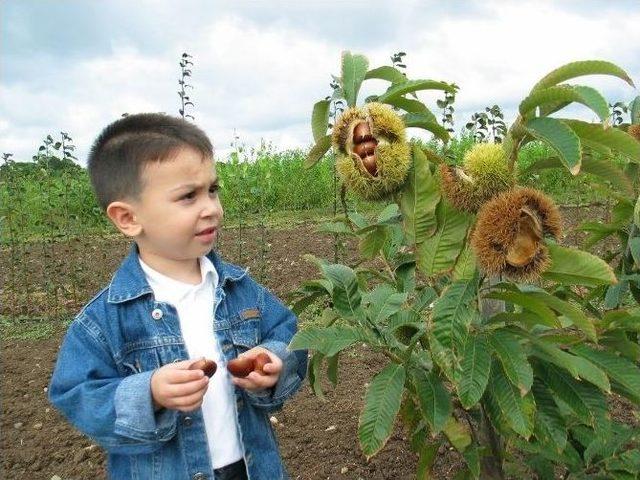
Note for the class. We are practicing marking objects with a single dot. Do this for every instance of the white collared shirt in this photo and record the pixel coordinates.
(195, 307)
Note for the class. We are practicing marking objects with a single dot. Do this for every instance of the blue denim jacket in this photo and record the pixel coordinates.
(101, 381)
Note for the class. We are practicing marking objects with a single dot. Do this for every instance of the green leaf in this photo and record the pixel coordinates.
(571, 312)
(560, 137)
(346, 295)
(636, 212)
(579, 69)
(634, 108)
(409, 86)
(373, 241)
(385, 301)
(354, 69)
(458, 434)
(634, 246)
(613, 138)
(474, 370)
(550, 426)
(428, 455)
(410, 105)
(382, 402)
(517, 411)
(320, 119)
(513, 359)
(419, 199)
(426, 122)
(433, 398)
(466, 264)
(546, 315)
(452, 315)
(566, 94)
(438, 253)
(332, 369)
(566, 389)
(619, 369)
(570, 266)
(386, 72)
(326, 340)
(318, 151)
(315, 379)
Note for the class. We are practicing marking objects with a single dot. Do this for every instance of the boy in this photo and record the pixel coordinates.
(123, 373)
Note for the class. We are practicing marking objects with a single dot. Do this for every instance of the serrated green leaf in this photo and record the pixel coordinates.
(317, 151)
(570, 266)
(466, 264)
(513, 359)
(472, 378)
(566, 389)
(410, 105)
(427, 456)
(517, 411)
(409, 86)
(373, 241)
(581, 68)
(382, 403)
(426, 122)
(559, 137)
(386, 72)
(418, 201)
(452, 315)
(346, 295)
(546, 315)
(326, 340)
(613, 138)
(549, 422)
(354, 69)
(571, 312)
(433, 398)
(566, 94)
(624, 372)
(320, 119)
(385, 302)
(438, 253)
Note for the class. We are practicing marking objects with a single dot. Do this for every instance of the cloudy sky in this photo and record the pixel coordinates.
(76, 65)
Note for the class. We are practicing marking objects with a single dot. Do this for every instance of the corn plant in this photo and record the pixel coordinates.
(493, 340)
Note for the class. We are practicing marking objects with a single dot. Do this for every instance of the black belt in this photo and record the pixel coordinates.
(233, 471)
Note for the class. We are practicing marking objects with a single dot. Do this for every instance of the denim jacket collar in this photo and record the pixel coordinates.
(129, 281)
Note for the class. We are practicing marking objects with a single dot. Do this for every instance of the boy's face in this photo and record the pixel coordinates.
(179, 210)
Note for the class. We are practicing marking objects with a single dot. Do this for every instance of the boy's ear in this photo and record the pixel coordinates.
(123, 216)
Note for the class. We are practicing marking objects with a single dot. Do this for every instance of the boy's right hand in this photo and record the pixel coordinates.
(176, 387)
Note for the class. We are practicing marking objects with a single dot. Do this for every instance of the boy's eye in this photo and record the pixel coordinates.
(214, 188)
(189, 195)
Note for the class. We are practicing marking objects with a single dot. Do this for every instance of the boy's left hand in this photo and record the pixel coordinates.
(255, 381)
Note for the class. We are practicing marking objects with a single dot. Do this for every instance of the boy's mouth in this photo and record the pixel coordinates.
(206, 231)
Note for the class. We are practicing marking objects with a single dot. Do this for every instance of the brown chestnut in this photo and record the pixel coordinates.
(243, 366)
(369, 162)
(361, 132)
(240, 367)
(261, 360)
(365, 148)
(209, 367)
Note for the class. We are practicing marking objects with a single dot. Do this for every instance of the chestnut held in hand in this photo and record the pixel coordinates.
(209, 367)
(241, 367)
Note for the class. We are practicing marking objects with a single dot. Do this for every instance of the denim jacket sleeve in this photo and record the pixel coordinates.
(278, 326)
(117, 412)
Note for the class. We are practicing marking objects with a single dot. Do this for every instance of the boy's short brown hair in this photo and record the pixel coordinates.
(124, 147)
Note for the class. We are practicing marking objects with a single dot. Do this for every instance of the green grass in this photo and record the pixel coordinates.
(30, 328)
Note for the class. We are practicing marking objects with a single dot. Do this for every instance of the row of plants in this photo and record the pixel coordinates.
(501, 343)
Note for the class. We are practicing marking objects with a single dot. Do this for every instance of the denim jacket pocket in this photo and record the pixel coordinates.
(245, 330)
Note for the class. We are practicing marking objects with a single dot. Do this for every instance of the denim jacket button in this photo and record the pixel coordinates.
(156, 314)
(187, 421)
(199, 476)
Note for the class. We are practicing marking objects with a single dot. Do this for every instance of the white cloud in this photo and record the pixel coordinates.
(259, 70)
